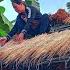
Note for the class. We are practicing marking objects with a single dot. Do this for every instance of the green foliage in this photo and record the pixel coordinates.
(28, 2)
(4, 28)
(13, 21)
(6, 21)
(2, 10)
(2, 33)
(34, 3)
(1, 20)
(68, 5)
(1, 0)
(5, 24)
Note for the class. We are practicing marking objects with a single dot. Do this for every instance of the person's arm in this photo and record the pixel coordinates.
(26, 28)
(14, 30)
(23, 34)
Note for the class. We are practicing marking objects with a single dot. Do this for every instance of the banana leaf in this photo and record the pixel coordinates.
(2, 33)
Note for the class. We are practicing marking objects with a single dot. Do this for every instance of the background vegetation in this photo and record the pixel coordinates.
(6, 25)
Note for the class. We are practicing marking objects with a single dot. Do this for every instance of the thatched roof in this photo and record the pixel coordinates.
(35, 50)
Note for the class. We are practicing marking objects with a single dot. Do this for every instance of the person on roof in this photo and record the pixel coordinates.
(29, 23)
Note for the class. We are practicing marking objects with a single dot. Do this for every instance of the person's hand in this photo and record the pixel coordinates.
(19, 37)
(3, 41)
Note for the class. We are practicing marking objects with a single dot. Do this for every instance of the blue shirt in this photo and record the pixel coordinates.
(22, 26)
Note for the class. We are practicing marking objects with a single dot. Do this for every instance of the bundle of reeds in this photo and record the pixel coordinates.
(35, 50)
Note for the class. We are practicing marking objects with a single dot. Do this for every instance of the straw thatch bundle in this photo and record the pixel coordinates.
(37, 49)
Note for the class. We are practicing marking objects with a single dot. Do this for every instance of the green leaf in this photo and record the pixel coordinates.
(2, 10)
(68, 5)
(1, 20)
(2, 33)
(6, 21)
(28, 2)
(13, 21)
(5, 27)
(1, 0)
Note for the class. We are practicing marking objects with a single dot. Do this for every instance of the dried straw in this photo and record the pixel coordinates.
(37, 49)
